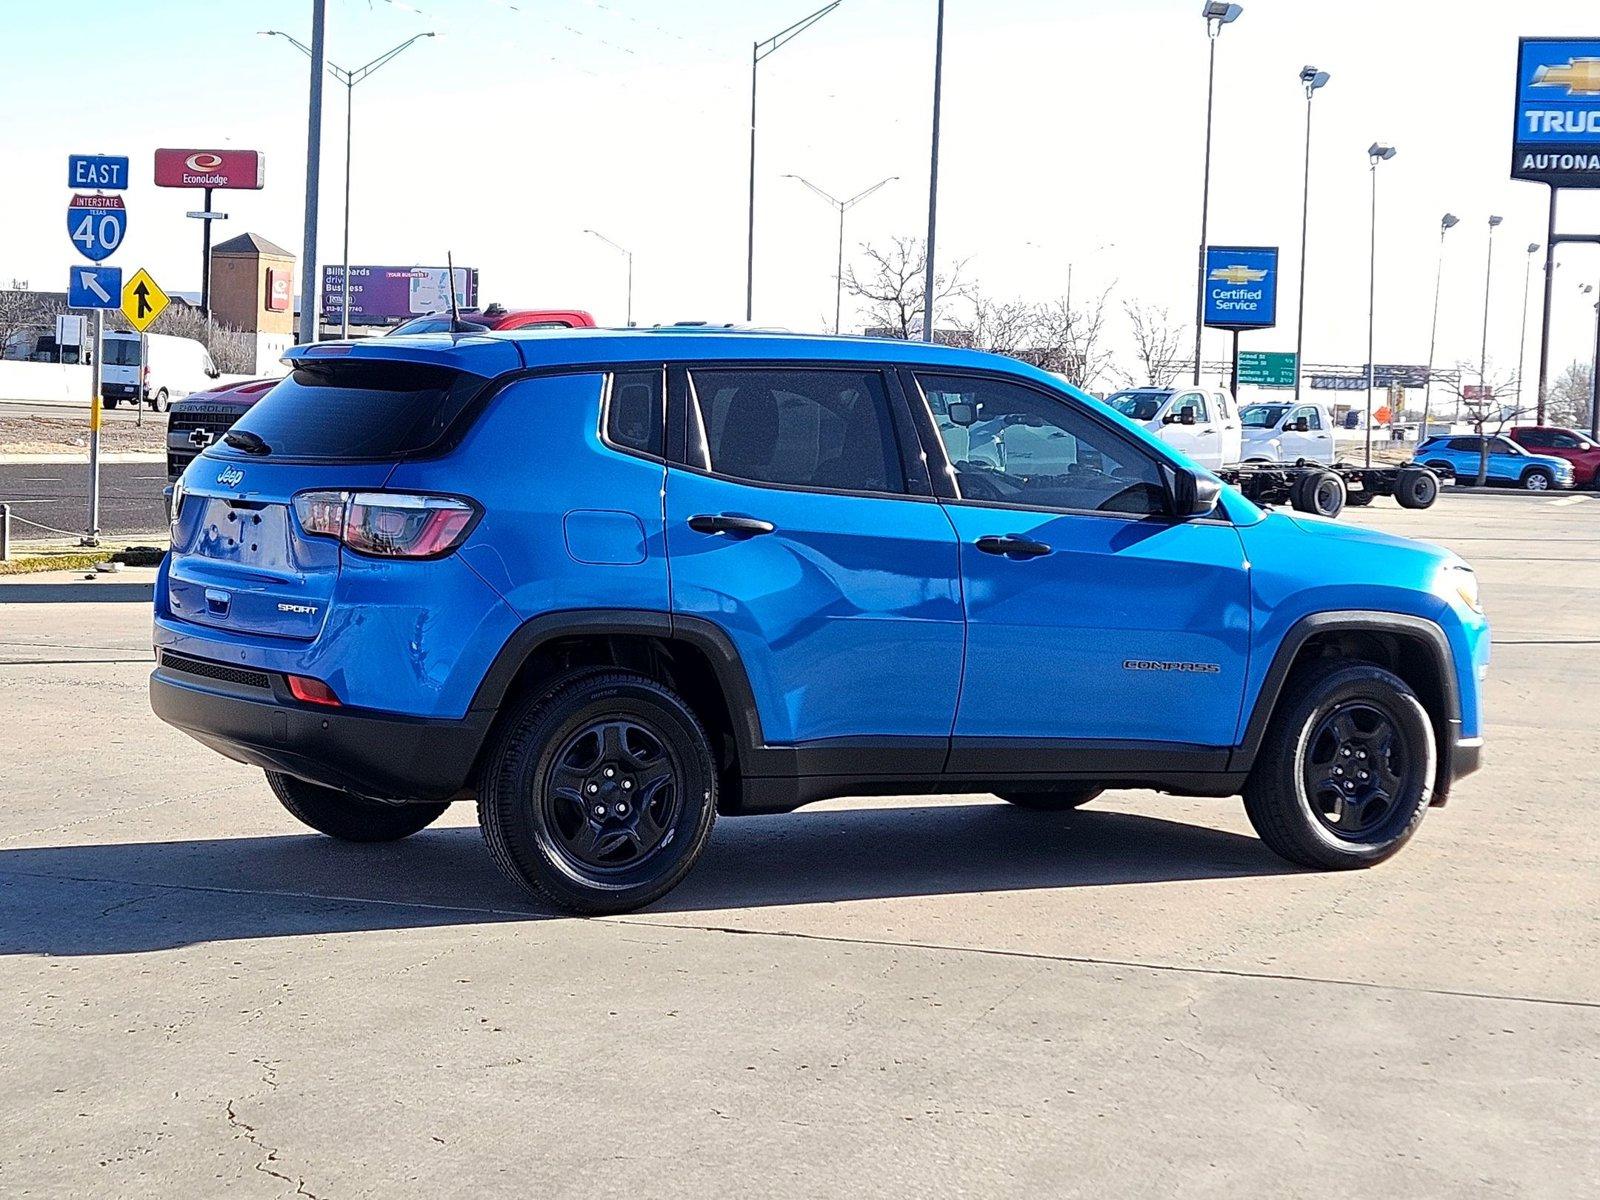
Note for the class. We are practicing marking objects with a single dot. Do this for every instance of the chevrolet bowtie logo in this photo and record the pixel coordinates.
(1580, 76)
(1237, 275)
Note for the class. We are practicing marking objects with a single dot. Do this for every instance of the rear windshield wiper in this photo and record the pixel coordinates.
(243, 439)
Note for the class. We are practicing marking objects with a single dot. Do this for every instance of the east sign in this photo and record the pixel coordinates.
(1241, 287)
(1557, 135)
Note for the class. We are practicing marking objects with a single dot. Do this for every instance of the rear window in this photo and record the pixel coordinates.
(120, 352)
(350, 409)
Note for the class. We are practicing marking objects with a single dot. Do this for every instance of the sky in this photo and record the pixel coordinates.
(1072, 134)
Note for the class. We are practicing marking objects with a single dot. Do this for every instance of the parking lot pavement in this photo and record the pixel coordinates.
(898, 997)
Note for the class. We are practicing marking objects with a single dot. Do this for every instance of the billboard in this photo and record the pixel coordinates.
(211, 169)
(1557, 134)
(388, 295)
(1241, 287)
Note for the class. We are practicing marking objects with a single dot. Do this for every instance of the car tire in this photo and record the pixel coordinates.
(108, 401)
(1335, 720)
(1416, 488)
(1321, 493)
(161, 402)
(350, 818)
(599, 740)
(1056, 800)
(1537, 479)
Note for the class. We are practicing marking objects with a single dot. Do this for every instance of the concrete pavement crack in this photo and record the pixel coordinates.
(248, 1132)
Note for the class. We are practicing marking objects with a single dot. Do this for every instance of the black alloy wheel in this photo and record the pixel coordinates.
(1357, 769)
(610, 798)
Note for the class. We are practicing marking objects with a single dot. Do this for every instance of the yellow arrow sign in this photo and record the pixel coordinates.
(142, 300)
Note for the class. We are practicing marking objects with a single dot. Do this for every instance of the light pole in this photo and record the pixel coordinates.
(629, 254)
(1217, 14)
(1446, 223)
(1488, 276)
(759, 51)
(1312, 79)
(1376, 153)
(307, 331)
(350, 79)
(843, 206)
(1522, 329)
(933, 179)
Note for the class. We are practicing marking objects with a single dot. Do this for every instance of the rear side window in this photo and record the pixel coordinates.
(1464, 443)
(371, 409)
(635, 413)
(830, 429)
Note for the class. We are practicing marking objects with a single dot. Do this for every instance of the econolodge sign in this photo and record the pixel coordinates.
(210, 169)
(1557, 135)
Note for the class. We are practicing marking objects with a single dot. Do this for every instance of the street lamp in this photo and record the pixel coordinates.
(843, 206)
(1312, 79)
(1217, 15)
(1522, 329)
(1446, 223)
(350, 79)
(759, 51)
(1488, 275)
(1376, 153)
(629, 253)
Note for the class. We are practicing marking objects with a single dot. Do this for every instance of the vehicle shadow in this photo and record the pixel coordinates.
(142, 896)
(77, 593)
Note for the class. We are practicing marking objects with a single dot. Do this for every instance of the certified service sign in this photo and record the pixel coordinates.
(1241, 287)
(1557, 136)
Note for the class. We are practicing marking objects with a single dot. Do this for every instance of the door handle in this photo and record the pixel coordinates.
(723, 523)
(1012, 545)
(1208, 433)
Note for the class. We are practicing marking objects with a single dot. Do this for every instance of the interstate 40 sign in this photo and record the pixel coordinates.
(1557, 135)
(96, 224)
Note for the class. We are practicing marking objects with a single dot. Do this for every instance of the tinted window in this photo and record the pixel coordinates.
(1194, 400)
(358, 409)
(1028, 449)
(120, 352)
(1561, 441)
(1464, 443)
(634, 412)
(800, 428)
(1264, 416)
(1538, 437)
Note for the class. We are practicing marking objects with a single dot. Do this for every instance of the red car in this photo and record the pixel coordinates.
(1560, 442)
(497, 317)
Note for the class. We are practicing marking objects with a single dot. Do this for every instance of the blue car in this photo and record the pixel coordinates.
(609, 585)
(1509, 464)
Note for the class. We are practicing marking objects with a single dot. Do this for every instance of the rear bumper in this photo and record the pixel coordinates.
(374, 755)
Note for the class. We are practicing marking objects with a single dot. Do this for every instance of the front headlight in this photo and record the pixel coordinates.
(1465, 582)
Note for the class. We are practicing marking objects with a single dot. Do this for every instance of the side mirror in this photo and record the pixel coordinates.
(1187, 416)
(1193, 494)
(962, 413)
(213, 373)
(1302, 425)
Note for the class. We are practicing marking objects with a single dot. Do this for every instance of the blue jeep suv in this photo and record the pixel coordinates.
(610, 584)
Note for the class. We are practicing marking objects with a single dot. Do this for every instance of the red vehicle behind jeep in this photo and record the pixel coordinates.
(1561, 442)
(495, 316)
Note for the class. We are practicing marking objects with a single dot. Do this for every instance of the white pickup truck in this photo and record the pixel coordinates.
(1202, 422)
(1287, 432)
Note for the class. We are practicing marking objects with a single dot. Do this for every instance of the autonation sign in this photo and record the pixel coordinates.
(1557, 137)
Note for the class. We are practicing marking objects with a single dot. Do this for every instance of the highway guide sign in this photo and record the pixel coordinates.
(106, 171)
(94, 287)
(96, 224)
(1557, 135)
(1241, 287)
(1267, 368)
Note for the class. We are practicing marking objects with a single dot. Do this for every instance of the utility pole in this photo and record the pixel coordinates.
(933, 181)
(308, 256)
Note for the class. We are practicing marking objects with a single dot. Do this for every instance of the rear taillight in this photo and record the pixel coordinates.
(387, 524)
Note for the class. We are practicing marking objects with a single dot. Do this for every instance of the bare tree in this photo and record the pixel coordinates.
(21, 311)
(1571, 395)
(1157, 343)
(1483, 406)
(1071, 341)
(1003, 326)
(890, 285)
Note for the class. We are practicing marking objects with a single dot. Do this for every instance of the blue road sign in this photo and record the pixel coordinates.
(1557, 134)
(96, 225)
(106, 171)
(95, 287)
(1241, 287)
